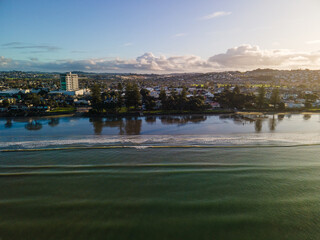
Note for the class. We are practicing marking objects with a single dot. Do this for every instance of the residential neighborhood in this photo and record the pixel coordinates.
(23, 93)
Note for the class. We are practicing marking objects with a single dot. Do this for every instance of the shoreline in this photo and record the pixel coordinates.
(158, 114)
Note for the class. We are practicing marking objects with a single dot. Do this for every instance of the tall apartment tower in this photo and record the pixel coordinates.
(69, 82)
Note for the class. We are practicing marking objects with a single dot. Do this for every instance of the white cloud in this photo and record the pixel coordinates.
(216, 14)
(179, 35)
(127, 44)
(313, 42)
(250, 57)
(244, 57)
(4, 62)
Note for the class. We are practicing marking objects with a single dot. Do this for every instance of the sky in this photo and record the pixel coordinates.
(159, 36)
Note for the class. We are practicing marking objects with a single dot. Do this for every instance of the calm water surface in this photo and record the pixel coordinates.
(190, 177)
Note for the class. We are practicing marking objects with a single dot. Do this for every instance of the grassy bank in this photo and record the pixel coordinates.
(124, 113)
(63, 110)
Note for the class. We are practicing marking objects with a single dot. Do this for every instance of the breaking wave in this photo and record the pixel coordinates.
(149, 141)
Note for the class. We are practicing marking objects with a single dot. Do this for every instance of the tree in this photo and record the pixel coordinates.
(282, 106)
(96, 97)
(119, 99)
(236, 90)
(309, 99)
(182, 99)
(308, 105)
(163, 98)
(162, 95)
(120, 87)
(275, 98)
(132, 96)
(35, 99)
(6, 103)
(144, 93)
(196, 103)
(261, 97)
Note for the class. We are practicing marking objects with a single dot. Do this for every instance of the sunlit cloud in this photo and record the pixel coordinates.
(216, 15)
(244, 57)
(249, 57)
(313, 42)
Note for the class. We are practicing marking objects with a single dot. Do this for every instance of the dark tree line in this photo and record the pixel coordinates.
(181, 102)
(236, 99)
(113, 101)
(133, 99)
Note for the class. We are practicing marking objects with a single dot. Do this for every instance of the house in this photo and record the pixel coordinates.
(154, 94)
(294, 105)
(215, 105)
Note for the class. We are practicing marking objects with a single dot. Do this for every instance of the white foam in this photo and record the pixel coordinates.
(142, 141)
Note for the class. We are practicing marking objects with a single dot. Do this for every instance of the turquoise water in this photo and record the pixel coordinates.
(218, 178)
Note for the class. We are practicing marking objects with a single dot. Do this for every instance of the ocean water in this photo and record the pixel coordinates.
(187, 177)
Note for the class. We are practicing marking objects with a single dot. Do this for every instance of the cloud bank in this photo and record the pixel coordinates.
(244, 57)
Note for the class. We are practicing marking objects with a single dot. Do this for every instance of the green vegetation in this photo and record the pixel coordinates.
(132, 96)
(235, 99)
(63, 109)
(261, 97)
(180, 102)
(132, 100)
(275, 98)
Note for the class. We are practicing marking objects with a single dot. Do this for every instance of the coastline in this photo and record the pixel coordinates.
(158, 113)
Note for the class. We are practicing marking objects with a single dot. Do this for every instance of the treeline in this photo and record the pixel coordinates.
(41, 98)
(113, 101)
(181, 102)
(236, 100)
(133, 99)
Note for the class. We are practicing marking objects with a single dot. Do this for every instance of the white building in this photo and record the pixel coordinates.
(69, 82)
(79, 92)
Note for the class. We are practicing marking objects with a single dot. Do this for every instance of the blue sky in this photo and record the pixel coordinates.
(158, 35)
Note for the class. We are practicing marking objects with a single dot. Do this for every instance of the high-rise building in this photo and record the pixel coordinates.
(69, 82)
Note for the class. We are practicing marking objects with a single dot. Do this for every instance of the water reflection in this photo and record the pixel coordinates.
(127, 126)
(33, 125)
(257, 119)
(272, 123)
(97, 125)
(240, 119)
(8, 124)
(151, 119)
(182, 120)
(53, 122)
(258, 125)
(306, 116)
(133, 125)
